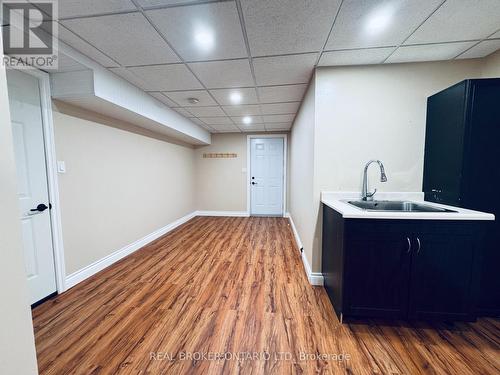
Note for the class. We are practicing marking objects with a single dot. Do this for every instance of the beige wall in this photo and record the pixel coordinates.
(491, 66)
(119, 186)
(378, 112)
(221, 184)
(302, 171)
(17, 344)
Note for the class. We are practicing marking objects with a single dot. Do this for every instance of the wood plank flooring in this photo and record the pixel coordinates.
(229, 296)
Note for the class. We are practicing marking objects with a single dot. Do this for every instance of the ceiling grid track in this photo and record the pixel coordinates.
(249, 54)
(176, 53)
(330, 40)
(413, 32)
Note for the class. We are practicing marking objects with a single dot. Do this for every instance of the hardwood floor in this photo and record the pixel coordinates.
(236, 286)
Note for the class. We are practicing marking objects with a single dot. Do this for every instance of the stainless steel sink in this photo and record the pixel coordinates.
(397, 206)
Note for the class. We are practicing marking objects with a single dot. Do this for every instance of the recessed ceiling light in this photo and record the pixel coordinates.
(247, 120)
(193, 100)
(379, 19)
(204, 39)
(235, 97)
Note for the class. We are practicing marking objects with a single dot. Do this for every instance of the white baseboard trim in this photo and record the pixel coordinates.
(99, 265)
(223, 213)
(315, 278)
(295, 233)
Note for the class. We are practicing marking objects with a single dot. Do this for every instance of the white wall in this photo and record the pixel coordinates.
(119, 186)
(17, 345)
(302, 171)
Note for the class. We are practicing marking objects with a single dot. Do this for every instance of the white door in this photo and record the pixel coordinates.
(27, 130)
(266, 176)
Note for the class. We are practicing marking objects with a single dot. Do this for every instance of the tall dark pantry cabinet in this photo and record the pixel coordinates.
(462, 165)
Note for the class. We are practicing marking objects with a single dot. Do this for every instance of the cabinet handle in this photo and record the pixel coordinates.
(419, 245)
(409, 245)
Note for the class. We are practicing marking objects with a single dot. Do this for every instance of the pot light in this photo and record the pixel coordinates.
(247, 120)
(204, 39)
(235, 98)
(379, 19)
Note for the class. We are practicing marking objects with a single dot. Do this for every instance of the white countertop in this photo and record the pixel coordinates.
(336, 201)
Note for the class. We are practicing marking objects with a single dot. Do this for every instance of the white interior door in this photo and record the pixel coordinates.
(266, 176)
(27, 130)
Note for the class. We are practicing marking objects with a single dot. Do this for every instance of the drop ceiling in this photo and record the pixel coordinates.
(264, 50)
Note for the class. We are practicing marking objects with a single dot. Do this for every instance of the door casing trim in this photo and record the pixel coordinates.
(285, 154)
(52, 180)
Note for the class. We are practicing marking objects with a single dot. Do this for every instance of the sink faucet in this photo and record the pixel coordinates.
(365, 195)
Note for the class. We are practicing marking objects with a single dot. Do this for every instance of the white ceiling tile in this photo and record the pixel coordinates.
(496, 35)
(183, 111)
(207, 111)
(82, 46)
(357, 24)
(483, 49)
(207, 127)
(287, 26)
(127, 38)
(166, 77)
(224, 74)
(226, 129)
(155, 3)
(278, 125)
(67, 64)
(255, 120)
(219, 21)
(197, 121)
(181, 97)
(278, 118)
(253, 128)
(216, 120)
(428, 52)
(276, 94)
(129, 76)
(284, 69)
(279, 108)
(459, 20)
(223, 96)
(77, 8)
(242, 110)
(355, 57)
(162, 98)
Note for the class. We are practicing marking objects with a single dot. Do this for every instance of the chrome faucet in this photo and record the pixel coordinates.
(365, 195)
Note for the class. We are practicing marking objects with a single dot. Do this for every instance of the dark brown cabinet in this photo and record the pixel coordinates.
(461, 165)
(377, 268)
(444, 274)
(404, 269)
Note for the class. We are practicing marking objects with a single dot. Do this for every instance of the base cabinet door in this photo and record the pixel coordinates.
(442, 270)
(377, 275)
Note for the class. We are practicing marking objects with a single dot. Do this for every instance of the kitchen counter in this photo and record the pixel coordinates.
(336, 201)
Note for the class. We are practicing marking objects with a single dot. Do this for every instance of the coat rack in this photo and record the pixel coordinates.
(219, 155)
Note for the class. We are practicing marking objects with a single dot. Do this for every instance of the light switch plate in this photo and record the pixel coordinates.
(61, 166)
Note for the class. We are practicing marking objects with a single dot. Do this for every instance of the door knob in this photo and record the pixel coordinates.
(40, 208)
